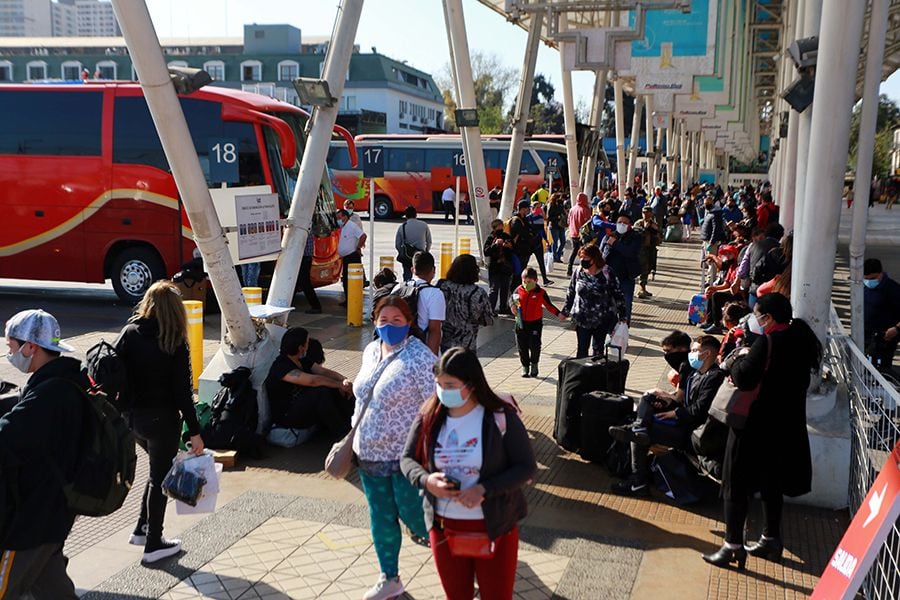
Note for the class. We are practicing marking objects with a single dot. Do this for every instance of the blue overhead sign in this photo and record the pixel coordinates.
(373, 161)
(223, 160)
(458, 168)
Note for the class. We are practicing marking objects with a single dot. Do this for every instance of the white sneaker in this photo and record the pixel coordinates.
(164, 549)
(385, 589)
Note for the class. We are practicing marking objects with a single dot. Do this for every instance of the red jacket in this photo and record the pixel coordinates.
(532, 303)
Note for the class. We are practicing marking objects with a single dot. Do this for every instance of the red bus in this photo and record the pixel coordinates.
(417, 169)
(87, 193)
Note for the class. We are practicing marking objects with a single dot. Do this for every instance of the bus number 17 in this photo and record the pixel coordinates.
(373, 155)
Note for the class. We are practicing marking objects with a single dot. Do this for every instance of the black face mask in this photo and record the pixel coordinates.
(677, 358)
(586, 263)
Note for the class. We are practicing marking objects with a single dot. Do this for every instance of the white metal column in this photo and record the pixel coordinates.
(569, 118)
(682, 155)
(812, 15)
(633, 142)
(165, 109)
(477, 181)
(830, 135)
(864, 153)
(597, 105)
(520, 117)
(648, 124)
(671, 150)
(312, 166)
(620, 135)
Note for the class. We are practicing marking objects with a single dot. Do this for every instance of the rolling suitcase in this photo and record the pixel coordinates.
(599, 412)
(576, 377)
(697, 309)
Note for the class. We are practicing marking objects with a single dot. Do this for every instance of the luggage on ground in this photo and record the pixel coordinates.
(599, 412)
(674, 233)
(576, 377)
(697, 309)
(677, 478)
(235, 413)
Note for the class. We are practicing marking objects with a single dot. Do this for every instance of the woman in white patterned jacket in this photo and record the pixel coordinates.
(396, 378)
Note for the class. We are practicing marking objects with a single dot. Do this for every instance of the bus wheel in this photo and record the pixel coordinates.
(133, 271)
(383, 207)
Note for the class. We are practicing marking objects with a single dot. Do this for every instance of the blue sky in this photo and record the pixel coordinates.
(402, 29)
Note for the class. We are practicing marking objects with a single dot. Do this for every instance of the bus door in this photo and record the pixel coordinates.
(51, 170)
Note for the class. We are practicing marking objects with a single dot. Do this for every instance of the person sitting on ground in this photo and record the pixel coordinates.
(303, 395)
(735, 334)
(467, 304)
(727, 291)
(670, 423)
(781, 282)
(315, 354)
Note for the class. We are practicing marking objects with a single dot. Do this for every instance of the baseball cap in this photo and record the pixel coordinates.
(38, 327)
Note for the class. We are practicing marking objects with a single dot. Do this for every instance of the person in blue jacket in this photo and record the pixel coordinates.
(621, 250)
(881, 310)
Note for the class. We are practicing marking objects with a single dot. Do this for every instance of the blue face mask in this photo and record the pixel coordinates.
(694, 360)
(450, 398)
(871, 283)
(392, 334)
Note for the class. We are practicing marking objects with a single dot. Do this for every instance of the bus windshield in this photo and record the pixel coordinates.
(285, 178)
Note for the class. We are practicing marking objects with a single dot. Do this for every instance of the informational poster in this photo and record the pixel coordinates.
(258, 229)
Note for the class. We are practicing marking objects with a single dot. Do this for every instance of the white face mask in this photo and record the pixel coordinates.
(754, 325)
(622, 228)
(19, 360)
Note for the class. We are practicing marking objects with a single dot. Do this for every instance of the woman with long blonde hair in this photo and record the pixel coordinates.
(153, 346)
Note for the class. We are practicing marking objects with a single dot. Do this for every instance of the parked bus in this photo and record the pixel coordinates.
(88, 195)
(417, 169)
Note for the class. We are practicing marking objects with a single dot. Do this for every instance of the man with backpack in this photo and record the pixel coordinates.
(425, 301)
(40, 441)
(762, 264)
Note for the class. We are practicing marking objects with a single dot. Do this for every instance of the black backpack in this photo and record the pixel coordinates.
(106, 462)
(235, 415)
(107, 371)
(410, 293)
(767, 266)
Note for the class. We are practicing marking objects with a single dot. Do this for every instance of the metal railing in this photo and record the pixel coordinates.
(875, 429)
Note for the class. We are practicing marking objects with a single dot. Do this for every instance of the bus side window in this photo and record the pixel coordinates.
(438, 158)
(41, 123)
(405, 159)
(528, 165)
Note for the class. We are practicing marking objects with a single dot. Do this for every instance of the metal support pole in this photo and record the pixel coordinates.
(648, 124)
(633, 142)
(475, 175)
(520, 118)
(569, 118)
(812, 14)
(145, 51)
(671, 148)
(864, 154)
(839, 50)
(682, 156)
(695, 155)
(620, 136)
(598, 103)
(312, 166)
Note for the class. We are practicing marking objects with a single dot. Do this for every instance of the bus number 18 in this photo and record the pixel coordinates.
(226, 153)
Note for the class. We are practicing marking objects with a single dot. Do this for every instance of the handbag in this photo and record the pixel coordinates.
(469, 544)
(340, 458)
(407, 250)
(731, 406)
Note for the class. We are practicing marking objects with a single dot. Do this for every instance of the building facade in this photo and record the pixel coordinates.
(381, 95)
(59, 18)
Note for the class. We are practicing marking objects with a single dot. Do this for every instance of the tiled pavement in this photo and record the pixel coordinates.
(289, 531)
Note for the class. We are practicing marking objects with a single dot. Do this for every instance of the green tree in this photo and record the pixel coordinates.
(546, 113)
(888, 119)
(493, 84)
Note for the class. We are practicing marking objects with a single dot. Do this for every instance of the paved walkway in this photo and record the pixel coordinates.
(285, 530)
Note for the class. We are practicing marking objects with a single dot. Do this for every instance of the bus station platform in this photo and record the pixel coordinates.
(284, 529)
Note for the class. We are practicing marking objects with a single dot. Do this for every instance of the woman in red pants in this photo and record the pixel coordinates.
(469, 451)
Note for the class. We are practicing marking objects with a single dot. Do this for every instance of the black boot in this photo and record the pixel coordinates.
(724, 556)
(767, 548)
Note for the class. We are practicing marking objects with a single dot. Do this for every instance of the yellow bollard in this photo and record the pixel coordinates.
(446, 258)
(465, 246)
(194, 310)
(252, 295)
(386, 262)
(355, 295)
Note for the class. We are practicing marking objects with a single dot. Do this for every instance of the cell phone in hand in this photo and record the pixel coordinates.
(452, 482)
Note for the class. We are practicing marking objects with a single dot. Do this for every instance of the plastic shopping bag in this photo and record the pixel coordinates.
(619, 339)
(183, 484)
(548, 260)
(206, 468)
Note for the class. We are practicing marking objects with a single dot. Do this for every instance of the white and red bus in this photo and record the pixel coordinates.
(417, 169)
(87, 194)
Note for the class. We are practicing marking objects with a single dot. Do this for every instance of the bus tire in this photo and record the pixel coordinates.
(133, 270)
(383, 207)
